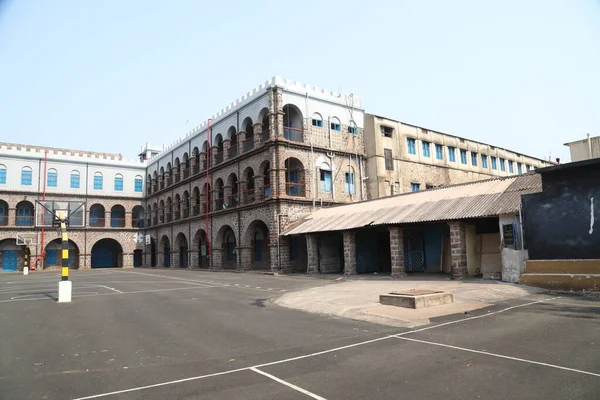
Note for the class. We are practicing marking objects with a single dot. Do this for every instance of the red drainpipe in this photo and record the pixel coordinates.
(207, 206)
(43, 252)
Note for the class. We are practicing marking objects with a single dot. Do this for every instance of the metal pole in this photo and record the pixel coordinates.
(64, 286)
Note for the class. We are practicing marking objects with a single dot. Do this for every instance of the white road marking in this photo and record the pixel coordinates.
(113, 289)
(96, 396)
(500, 356)
(290, 385)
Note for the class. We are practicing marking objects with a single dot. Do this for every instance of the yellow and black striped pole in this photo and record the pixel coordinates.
(26, 254)
(65, 248)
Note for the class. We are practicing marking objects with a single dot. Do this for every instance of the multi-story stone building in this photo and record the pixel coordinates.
(220, 196)
(110, 188)
(404, 158)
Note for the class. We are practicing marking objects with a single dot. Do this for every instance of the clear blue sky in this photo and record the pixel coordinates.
(110, 75)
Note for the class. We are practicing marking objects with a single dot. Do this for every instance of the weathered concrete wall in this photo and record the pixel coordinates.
(491, 263)
(513, 264)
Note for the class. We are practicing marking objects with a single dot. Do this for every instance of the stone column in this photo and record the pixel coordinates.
(458, 248)
(194, 259)
(202, 161)
(127, 260)
(128, 219)
(242, 187)
(12, 216)
(213, 153)
(259, 187)
(227, 191)
(245, 257)
(241, 138)
(349, 252)
(257, 134)
(284, 256)
(160, 259)
(226, 146)
(312, 251)
(85, 261)
(397, 251)
(107, 218)
(216, 258)
(175, 258)
(167, 177)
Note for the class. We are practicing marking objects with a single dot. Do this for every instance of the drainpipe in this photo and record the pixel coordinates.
(360, 177)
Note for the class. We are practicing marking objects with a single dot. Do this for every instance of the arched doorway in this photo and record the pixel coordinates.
(229, 245)
(97, 215)
(137, 217)
(107, 253)
(165, 248)
(200, 242)
(258, 235)
(24, 214)
(117, 216)
(3, 213)
(181, 246)
(10, 254)
(54, 254)
(138, 258)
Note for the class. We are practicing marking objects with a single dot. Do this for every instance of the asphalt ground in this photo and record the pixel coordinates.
(180, 334)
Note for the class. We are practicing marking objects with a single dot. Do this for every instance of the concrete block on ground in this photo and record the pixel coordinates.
(416, 298)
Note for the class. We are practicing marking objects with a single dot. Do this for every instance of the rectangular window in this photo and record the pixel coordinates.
(463, 156)
(119, 184)
(74, 181)
(439, 151)
(325, 181)
(415, 186)
(411, 146)
(352, 129)
(2, 175)
(510, 167)
(519, 168)
(483, 161)
(387, 131)
(528, 167)
(98, 182)
(138, 185)
(502, 165)
(426, 149)
(494, 166)
(26, 177)
(451, 154)
(389, 161)
(317, 122)
(52, 179)
(474, 159)
(335, 126)
(350, 182)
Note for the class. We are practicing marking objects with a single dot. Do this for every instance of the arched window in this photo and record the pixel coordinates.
(118, 182)
(24, 214)
(317, 120)
(352, 127)
(138, 184)
(52, 179)
(2, 174)
(98, 181)
(26, 176)
(75, 179)
(335, 124)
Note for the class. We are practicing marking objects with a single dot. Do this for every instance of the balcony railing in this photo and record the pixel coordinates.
(177, 215)
(162, 185)
(162, 218)
(232, 201)
(293, 134)
(196, 169)
(233, 150)
(177, 177)
(169, 181)
(186, 212)
(196, 210)
(186, 173)
(116, 222)
(96, 222)
(248, 144)
(169, 217)
(265, 135)
(3, 220)
(137, 222)
(219, 157)
(295, 189)
(153, 223)
(219, 204)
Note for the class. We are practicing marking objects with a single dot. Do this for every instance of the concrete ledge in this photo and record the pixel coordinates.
(562, 266)
(566, 282)
(416, 299)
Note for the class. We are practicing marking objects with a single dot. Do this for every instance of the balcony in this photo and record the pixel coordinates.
(186, 213)
(219, 157)
(265, 135)
(293, 134)
(169, 181)
(267, 191)
(137, 222)
(177, 215)
(186, 173)
(169, 217)
(196, 169)
(233, 151)
(232, 201)
(250, 196)
(177, 177)
(295, 189)
(248, 144)
(96, 222)
(196, 210)
(162, 185)
(219, 204)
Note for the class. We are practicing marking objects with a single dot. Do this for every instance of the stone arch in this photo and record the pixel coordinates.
(25, 213)
(11, 255)
(169, 209)
(155, 216)
(218, 142)
(164, 250)
(295, 179)
(293, 123)
(107, 253)
(228, 247)
(220, 194)
(206, 197)
(257, 237)
(117, 216)
(196, 201)
(161, 212)
(53, 254)
(232, 199)
(3, 213)
(200, 250)
(248, 127)
(153, 253)
(97, 215)
(177, 205)
(181, 251)
(231, 132)
(265, 170)
(186, 204)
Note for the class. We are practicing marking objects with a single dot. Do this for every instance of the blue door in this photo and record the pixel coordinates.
(51, 257)
(9, 260)
(167, 257)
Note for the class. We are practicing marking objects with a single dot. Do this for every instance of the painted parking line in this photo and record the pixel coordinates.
(487, 353)
(291, 359)
(290, 385)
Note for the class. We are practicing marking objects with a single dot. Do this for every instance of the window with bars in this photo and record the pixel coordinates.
(74, 181)
(463, 156)
(350, 183)
(474, 159)
(26, 176)
(389, 161)
(52, 179)
(138, 184)
(439, 151)
(415, 187)
(426, 146)
(411, 146)
(98, 181)
(511, 168)
(119, 183)
(494, 164)
(2, 174)
(484, 161)
(502, 164)
(452, 154)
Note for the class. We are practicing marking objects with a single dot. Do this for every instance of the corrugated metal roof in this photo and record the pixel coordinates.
(470, 200)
